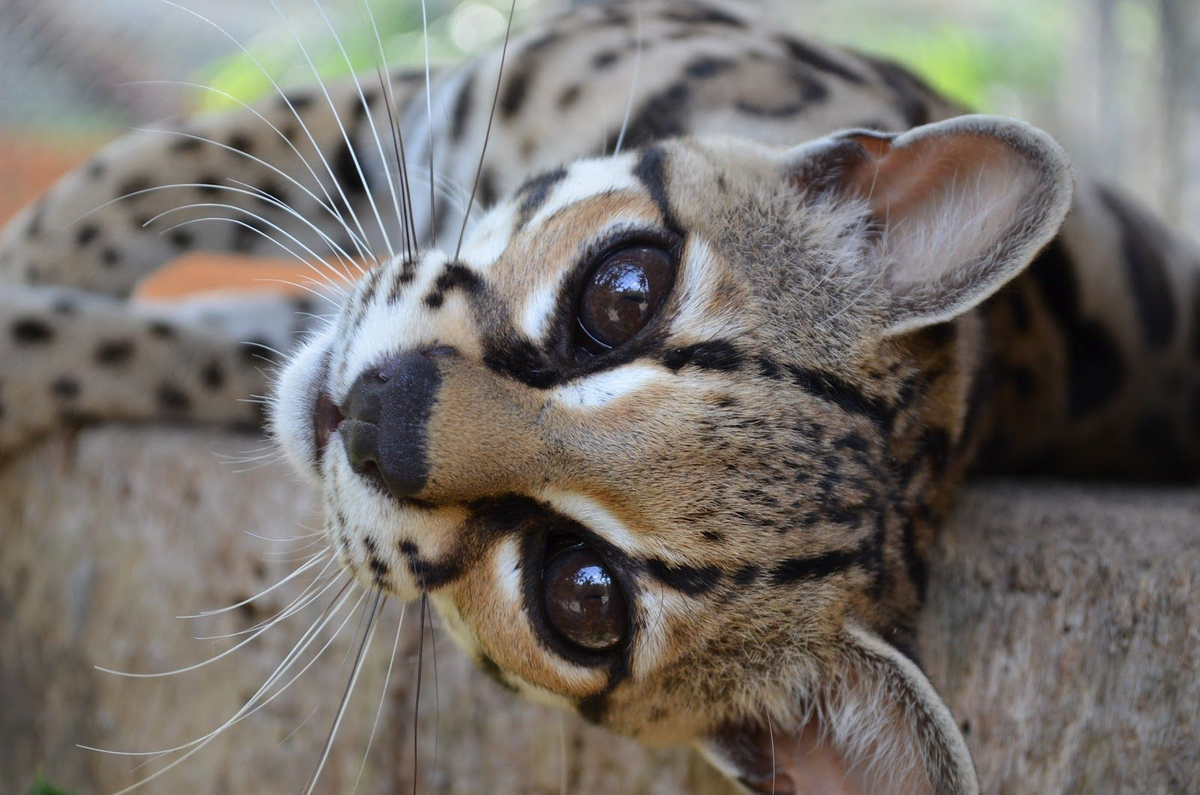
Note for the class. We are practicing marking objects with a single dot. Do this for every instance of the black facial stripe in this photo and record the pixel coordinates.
(651, 171)
(1095, 370)
(708, 66)
(430, 574)
(454, 276)
(713, 355)
(1146, 271)
(842, 394)
(534, 192)
(812, 567)
(689, 580)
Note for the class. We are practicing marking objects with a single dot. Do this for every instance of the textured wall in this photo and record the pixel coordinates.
(1063, 626)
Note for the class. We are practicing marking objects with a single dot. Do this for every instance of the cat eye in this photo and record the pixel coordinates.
(622, 294)
(581, 599)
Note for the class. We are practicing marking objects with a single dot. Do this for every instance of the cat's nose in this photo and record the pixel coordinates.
(386, 413)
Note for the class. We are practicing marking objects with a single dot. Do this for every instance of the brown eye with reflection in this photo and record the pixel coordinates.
(582, 601)
(622, 294)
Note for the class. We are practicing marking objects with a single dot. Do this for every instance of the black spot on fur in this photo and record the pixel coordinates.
(86, 234)
(1146, 271)
(346, 171)
(110, 257)
(746, 575)
(808, 89)
(516, 87)
(604, 59)
(186, 145)
(31, 331)
(690, 580)
(66, 388)
(662, 115)
(715, 355)
(241, 142)
(1095, 370)
(162, 330)
(569, 96)
(462, 108)
(809, 56)
(700, 15)
(65, 307)
(96, 169)
(299, 100)
(135, 185)
(910, 95)
(212, 375)
(113, 352)
(181, 239)
(173, 399)
(488, 192)
(707, 66)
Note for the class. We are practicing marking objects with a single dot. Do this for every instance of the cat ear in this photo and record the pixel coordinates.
(957, 208)
(875, 724)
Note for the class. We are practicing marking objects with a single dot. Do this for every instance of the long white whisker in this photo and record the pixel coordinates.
(337, 117)
(402, 210)
(222, 206)
(512, 9)
(637, 68)
(327, 205)
(370, 123)
(364, 647)
(300, 570)
(246, 710)
(429, 118)
(382, 697)
(359, 244)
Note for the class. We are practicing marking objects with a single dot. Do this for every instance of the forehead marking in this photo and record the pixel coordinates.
(585, 179)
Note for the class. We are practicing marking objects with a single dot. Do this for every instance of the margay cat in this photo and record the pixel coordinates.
(667, 435)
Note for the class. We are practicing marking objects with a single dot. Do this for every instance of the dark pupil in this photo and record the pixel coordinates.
(582, 602)
(623, 293)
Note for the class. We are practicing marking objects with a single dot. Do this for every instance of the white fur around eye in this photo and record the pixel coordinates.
(588, 178)
(608, 386)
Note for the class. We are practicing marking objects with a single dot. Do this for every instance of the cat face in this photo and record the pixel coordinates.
(656, 442)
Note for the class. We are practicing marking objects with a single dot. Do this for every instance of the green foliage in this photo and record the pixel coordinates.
(42, 786)
(401, 41)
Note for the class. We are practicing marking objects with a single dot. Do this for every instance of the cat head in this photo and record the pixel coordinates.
(666, 442)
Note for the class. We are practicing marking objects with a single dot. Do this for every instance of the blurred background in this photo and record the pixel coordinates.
(1117, 81)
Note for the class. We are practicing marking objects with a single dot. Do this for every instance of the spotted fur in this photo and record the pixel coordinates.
(856, 323)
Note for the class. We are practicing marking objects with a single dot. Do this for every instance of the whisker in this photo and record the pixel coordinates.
(337, 117)
(382, 697)
(366, 106)
(329, 207)
(224, 206)
(245, 711)
(417, 701)
(429, 118)
(637, 68)
(360, 244)
(512, 9)
(208, 613)
(363, 647)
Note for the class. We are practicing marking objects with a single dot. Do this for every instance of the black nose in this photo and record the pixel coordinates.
(386, 413)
